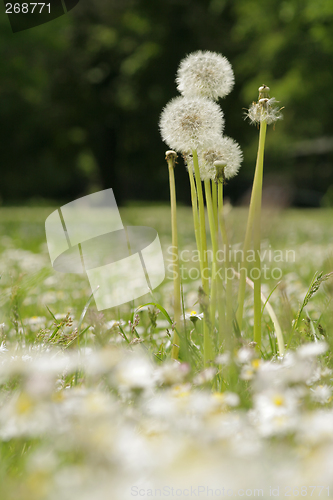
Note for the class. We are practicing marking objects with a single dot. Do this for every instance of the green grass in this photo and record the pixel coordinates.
(29, 285)
(307, 232)
(42, 311)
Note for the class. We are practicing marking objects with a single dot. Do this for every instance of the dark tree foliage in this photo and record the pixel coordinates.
(81, 96)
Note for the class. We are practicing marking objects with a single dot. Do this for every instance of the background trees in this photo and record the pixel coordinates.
(81, 95)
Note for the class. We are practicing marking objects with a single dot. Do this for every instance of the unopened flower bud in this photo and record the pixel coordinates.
(263, 92)
(170, 154)
(219, 170)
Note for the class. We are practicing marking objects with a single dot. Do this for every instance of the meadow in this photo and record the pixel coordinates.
(93, 407)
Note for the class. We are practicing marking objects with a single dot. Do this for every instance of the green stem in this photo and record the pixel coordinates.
(228, 280)
(213, 235)
(170, 157)
(257, 235)
(206, 329)
(208, 347)
(270, 310)
(252, 218)
(214, 196)
(194, 200)
(205, 283)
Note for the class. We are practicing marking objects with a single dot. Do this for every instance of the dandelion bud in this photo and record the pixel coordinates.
(264, 91)
(205, 74)
(219, 170)
(170, 155)
(220, 164)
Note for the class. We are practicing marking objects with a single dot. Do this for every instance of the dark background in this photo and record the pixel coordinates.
(80, 97)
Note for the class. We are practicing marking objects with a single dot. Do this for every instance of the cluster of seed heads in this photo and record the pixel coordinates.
(194, 121)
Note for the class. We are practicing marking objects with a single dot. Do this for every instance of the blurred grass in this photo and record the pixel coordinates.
(29, 284)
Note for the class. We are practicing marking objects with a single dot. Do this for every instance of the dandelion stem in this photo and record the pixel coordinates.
(171, 158)
(194, 200)
(270, 310)
(225, 240)
(203, 250)
(214, 197)
(213, 235)
(257, 235)
(208, 348)
(253, 218)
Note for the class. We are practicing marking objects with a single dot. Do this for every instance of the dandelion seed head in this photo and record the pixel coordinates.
(191, 123)
(226, 151)
(264, 110)
(229, 152)
(205, 73)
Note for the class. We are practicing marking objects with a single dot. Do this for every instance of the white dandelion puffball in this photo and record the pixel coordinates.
(205, 74)
(225, 150)
(188, 124)
(264, 110)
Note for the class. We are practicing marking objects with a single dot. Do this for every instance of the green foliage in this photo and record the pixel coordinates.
(81, 96)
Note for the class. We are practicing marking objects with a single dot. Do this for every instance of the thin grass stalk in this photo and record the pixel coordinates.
(171, 158)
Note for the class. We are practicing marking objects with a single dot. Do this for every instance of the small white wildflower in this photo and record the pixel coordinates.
(35, 320)
(188, 124)
(244, 355)
(205, 376)
(134, 373)
(3, 347)
(205, 73)
(316, 427)
(321, 394)
(230, 398)
(194, 316)
(275, 412)
(26, 357)
(312, 349)
(171, 373)
(223, 359)
(250, 369)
